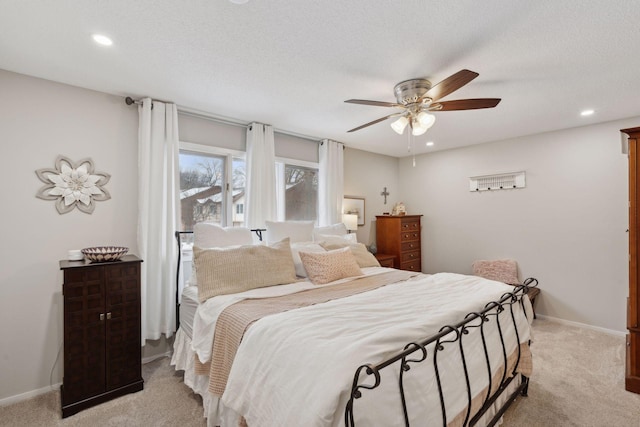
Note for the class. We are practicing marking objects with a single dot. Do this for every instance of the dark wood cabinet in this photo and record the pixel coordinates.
(400, 236)
(632, 375)
(102, 344)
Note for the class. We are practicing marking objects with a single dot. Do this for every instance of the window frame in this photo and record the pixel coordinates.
(228, 155)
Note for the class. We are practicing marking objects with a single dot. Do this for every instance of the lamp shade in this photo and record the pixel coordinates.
(350, 221)
(426, 120)
(399, 125)
(417, 128)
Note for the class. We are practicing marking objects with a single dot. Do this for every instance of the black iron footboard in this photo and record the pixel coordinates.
(367, 377)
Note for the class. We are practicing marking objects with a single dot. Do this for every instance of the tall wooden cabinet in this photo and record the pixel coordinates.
(400, 236)
(632, 374)
(102, 344)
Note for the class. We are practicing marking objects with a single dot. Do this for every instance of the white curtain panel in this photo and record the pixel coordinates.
(158, 188)
(330, 182)
(261, 176)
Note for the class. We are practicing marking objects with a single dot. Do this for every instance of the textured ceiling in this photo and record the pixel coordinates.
(292, 64)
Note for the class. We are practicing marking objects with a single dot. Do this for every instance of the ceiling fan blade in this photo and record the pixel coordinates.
(375, 121)
(450, 84)
(374, 103)
(464, 104)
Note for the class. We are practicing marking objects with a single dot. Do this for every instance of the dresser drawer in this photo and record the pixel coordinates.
(410, 224)
(409, 235)
(411, 266)
(410, 246)
(409, 256)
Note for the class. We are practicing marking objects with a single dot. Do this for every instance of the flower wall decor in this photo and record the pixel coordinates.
(73, 185)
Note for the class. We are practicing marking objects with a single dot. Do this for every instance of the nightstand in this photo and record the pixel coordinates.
(386, 260)
(533, 293)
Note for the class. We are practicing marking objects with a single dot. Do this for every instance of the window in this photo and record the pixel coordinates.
(212, 187)
(298, 191)
(212, 183)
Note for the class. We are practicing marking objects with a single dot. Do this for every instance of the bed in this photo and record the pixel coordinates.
(384, 347)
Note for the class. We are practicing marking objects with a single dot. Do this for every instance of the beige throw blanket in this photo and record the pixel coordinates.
(235, 319)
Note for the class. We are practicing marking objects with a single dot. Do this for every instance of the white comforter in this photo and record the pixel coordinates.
(296, 368)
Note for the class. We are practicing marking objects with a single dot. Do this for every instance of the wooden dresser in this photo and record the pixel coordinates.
(400, 236)
(102, 344)
(632, 374)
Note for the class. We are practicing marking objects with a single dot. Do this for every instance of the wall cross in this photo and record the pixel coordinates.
(385, 193)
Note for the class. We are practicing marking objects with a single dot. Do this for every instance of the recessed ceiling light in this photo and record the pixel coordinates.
(587, 112)
(430, 144)
(103, 40)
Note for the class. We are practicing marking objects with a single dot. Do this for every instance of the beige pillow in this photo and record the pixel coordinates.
(224, 271)
(209, 235)
(364, 258)
(325, 267)
(298, 247)
(501, 270)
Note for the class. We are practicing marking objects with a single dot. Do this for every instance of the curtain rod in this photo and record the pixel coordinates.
(220, 119)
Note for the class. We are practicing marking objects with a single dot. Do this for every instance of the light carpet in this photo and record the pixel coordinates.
(578, 380)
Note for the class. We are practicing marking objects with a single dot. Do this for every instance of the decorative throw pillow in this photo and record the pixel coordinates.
(325, 267)
(238, 269)
(296, 231)
(501, 270)
(208, 235)
(363, 257)
(338, 229)
(296, 248)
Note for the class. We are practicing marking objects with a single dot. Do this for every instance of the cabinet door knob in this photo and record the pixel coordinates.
(108, 315)
(101, 316)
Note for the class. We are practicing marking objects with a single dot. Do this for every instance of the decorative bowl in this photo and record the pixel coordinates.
(104, 253)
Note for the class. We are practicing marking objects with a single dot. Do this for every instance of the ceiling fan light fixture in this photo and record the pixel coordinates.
(418, 128)
(399, 125)
(426, 120)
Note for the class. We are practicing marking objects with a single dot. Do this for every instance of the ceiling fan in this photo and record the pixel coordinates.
(417, 97)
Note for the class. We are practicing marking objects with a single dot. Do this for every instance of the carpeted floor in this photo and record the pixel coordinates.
(578, 380)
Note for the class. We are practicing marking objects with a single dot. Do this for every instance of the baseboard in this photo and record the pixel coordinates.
(33, 393)
(28, 395)
(150, 359)
(582, 325)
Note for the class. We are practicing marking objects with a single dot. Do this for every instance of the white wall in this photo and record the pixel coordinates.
(39, 120)
(365, 175)
(567, 227)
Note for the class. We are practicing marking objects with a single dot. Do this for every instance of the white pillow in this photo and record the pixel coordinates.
(207, 235)
(333, 239)
(298, 247)
(296, 231)
(338, 229)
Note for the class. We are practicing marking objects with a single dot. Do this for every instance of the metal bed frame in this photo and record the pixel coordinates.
(367, 377)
